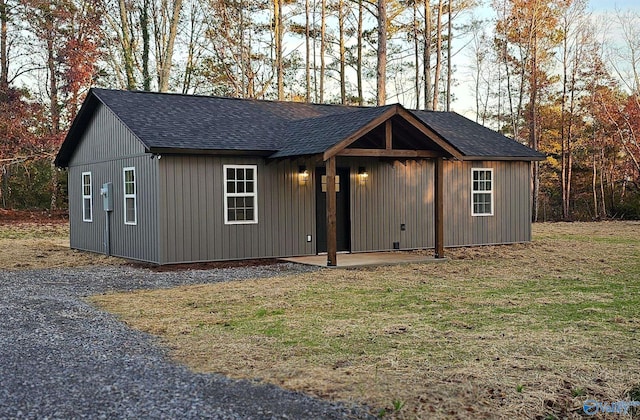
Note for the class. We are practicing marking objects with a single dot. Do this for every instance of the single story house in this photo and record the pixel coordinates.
(169, 178)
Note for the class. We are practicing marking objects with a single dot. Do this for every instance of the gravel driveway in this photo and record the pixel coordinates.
(62, 358)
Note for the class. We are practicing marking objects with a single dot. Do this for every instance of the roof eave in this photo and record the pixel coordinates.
(226, 152)
(506, 158)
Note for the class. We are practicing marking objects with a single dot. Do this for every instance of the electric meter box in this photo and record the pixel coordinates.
(107, 196)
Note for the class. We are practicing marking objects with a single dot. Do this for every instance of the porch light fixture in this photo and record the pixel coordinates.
(303, 174)
(362, 174)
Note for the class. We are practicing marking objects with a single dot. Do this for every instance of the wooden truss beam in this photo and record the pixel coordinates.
(390, 153)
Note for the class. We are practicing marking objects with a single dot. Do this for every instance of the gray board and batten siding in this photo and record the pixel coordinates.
(107, 147)
(402, 193)
(192, 226)
(192, 220)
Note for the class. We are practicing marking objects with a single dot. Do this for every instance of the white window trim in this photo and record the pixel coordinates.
(254, 194)
(90, 197)
(474, 170)
(134, 195)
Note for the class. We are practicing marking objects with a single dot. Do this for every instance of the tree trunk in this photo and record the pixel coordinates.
(436, 79)
(127, 46)
(563, 143)
(4, 186)
(602, 196)
(4, 58)
(167, 59)
(55, 110)
(381, 73)
(416, 53)
(533, 123)
(323, 22)
(594, 180)
(307, 36)
(191, 52)
(277, 9)
(343, 83)
(449, 39)
(144, 26)
(426, 60)
(359, 53)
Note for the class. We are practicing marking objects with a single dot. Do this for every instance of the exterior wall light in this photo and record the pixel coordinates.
(362, 174)
(303, 174)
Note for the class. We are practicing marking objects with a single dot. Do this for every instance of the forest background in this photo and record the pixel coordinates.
(552, 74)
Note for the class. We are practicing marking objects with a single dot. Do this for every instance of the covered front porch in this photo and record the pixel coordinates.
(396, 135)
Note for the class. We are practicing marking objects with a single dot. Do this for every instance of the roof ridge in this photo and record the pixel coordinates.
(231, 98)
(354, 110)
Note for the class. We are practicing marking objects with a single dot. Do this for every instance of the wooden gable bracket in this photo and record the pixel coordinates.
(340, 149)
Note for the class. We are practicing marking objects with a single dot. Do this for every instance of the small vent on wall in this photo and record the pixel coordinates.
(396, 245)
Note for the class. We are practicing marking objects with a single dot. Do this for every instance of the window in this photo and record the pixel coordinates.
(240, 194)
(482, 192)
(87, 200)
(129, 178)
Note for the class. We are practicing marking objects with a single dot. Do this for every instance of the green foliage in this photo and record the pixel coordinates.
(398, 405)
(578, 392)
(29, 186)
(628, 208)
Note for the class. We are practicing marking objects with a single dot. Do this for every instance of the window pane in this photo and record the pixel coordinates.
(239, 190)
(87, 209)
(130, 210)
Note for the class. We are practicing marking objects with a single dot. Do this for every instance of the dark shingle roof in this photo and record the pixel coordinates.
(277, 129)
(473, 139)
(201, 122)
(315, 135)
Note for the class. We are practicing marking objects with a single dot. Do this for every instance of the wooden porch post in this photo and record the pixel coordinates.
(439, 208)
(332, 244)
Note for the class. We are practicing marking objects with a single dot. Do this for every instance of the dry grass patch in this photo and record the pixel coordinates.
(35, 245)
(523, 331)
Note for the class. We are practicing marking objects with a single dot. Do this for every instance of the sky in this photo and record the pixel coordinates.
(608, 5)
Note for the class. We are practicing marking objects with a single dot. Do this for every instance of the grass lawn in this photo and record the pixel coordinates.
(40, 244)
(522, 331)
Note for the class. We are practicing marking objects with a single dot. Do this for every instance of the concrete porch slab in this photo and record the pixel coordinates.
(366, 259)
